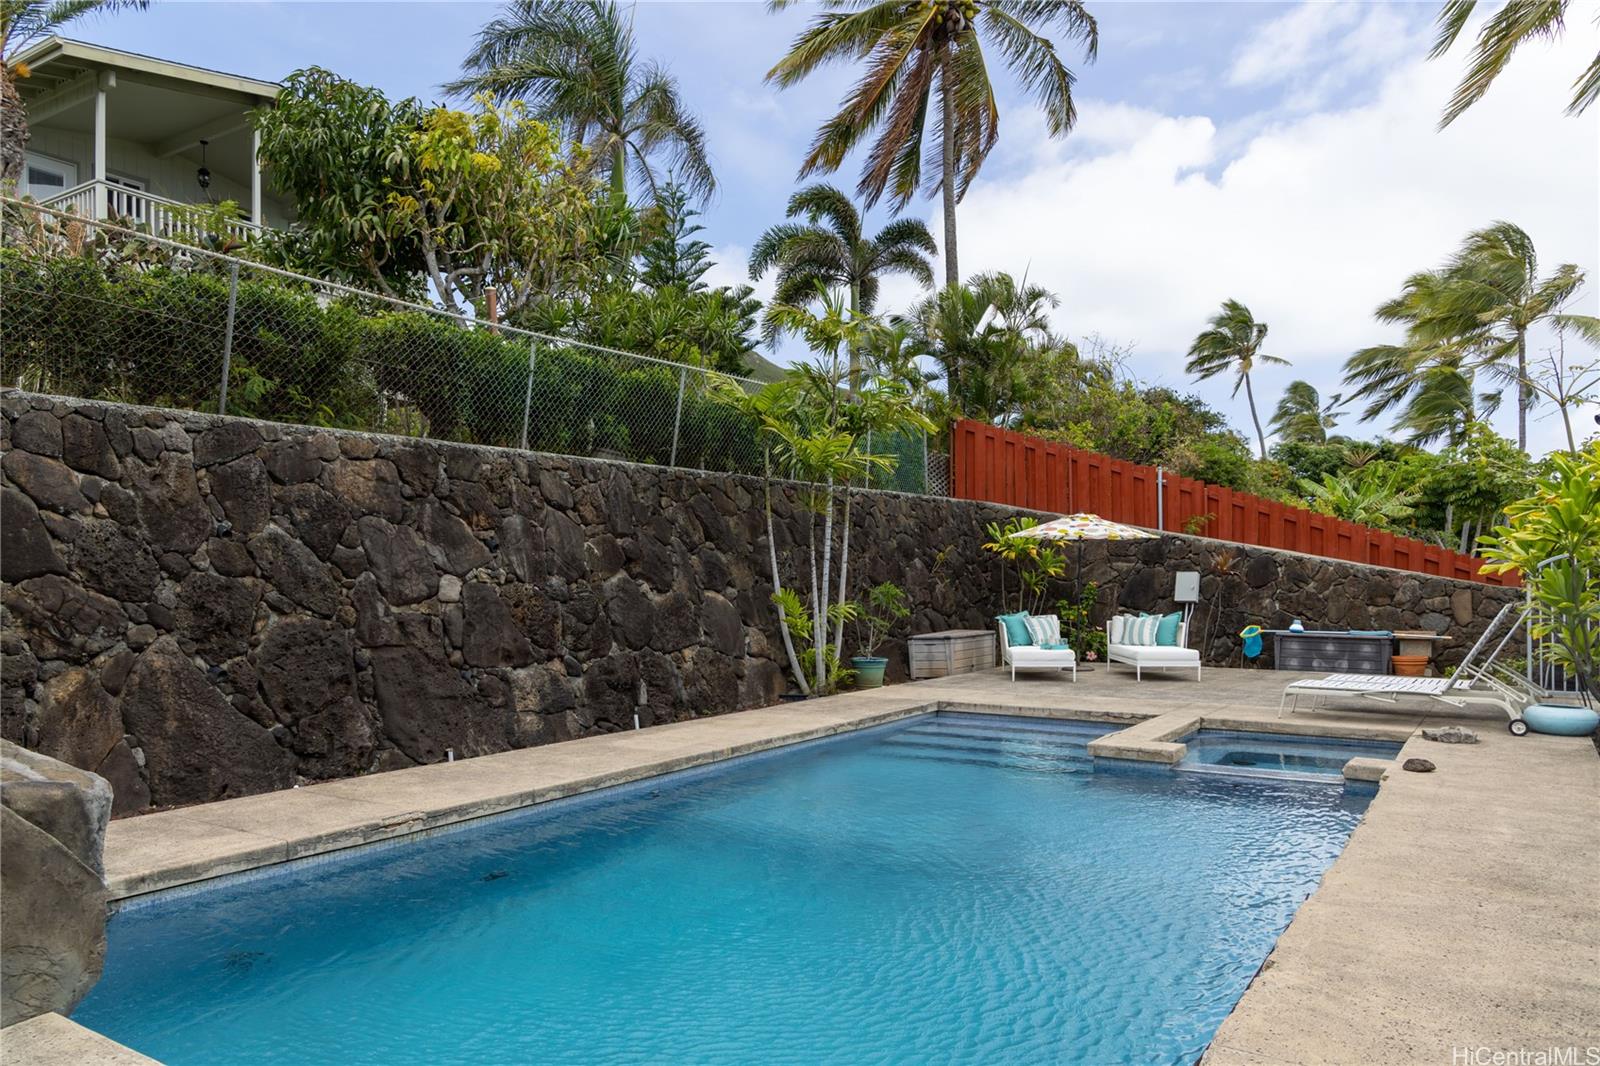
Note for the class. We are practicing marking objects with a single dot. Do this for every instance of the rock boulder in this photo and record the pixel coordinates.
(52, 896)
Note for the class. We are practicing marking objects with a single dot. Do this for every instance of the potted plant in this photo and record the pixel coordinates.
(884, 606)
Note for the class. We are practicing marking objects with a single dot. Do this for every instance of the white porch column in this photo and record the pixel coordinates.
(108, 81)
(255, 178)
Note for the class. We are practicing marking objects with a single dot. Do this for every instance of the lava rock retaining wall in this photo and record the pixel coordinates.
(199, 607)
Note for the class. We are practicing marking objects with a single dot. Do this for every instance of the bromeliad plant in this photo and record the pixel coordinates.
(1036, 562)
(815, 431)
(1553, 537)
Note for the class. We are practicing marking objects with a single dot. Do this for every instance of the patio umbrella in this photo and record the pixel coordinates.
(1085, 527)
(1082, 527)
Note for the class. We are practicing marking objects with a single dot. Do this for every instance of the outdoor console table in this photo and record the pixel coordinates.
(951, 651)
(1332, 651)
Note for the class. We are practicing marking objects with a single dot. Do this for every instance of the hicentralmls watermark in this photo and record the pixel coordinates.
(1525, 1056)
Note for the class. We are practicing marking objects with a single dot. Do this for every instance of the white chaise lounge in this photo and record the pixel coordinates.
(1024, 657)
(1144, 657)
(1478, 681)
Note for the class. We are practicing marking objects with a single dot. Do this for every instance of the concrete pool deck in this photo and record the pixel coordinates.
(1459, 915)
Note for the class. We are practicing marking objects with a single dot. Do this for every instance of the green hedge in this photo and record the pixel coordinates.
(154, 334)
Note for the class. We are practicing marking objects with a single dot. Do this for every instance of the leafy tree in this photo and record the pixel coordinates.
(1553, 537)
(911, 51)
(1302, 416)
(494, 203)
(1515, 24)
(427, 202)
(1467, 487)
(1305, 459)
(339, 149)
(1233, 344)
(22, 22)
(577, 64)
(829, 250)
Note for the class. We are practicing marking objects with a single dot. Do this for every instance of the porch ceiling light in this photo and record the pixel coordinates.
(203, 175)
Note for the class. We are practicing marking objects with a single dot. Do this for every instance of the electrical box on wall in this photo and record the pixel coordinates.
(1186, 586)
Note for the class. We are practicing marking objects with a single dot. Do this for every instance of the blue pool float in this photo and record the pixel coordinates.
(1561, 721)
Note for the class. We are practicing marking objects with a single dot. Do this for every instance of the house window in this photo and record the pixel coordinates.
(122, 199)
(44, 177)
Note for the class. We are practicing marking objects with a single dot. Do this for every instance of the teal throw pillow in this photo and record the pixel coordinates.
(1016, 629)
(1167, 631)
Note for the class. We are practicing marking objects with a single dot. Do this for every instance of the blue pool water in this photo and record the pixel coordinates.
(1221, 750)
(944, 889)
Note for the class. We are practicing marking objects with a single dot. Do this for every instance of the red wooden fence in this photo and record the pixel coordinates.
(1000, 466)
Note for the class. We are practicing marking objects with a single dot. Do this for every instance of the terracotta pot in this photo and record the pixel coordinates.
(1410, 665)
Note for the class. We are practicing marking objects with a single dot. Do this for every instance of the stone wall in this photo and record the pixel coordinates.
(198, 607)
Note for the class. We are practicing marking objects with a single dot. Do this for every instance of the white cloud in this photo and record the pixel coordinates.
(1145, 222)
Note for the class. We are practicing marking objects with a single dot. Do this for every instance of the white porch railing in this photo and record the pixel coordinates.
(147, 212)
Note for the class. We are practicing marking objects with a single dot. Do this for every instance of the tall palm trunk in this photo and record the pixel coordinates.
(619, 173)
(1250, 395)
(855, 352)
(947, 181)
(13, 129)
(1524, 394)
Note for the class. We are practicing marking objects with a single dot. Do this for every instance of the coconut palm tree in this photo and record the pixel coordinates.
(1473, 313)
(1427, 383)
(575, 62)
(1233, 343)
(1302, 416)
(912, 50)
(22, 22)
(1516, 23)
(829, 251)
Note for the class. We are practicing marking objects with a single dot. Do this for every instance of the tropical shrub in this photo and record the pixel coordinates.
(1553, 538)
(153, 334)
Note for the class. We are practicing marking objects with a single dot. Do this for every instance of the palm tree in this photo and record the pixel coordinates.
(1515, 24)
(829, 251)
(913, 49)
(1473, 313)
(576, 63)
(1302, 416)
(1233, 343)
(22, 22)
(983, 335)
(1497, 296)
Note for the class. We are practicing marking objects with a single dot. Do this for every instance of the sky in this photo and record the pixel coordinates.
(1281, 154)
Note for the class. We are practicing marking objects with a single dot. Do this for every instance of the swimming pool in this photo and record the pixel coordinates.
(948, 888)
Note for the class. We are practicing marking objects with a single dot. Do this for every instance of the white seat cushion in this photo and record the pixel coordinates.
(1041, 656)
(1152, 654)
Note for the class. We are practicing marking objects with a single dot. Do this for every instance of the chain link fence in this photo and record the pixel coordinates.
(102, 312)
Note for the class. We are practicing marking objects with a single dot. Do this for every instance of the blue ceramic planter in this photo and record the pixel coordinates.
(1561, 721)
(869, 671)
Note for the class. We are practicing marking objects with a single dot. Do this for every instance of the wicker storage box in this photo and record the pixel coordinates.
(1332, 652)
(952, 651)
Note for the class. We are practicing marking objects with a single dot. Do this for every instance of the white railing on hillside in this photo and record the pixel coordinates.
(145, 211)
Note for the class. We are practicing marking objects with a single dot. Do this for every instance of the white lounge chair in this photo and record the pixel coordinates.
(1144, 657)
(1026, 657)
(1478, 681)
